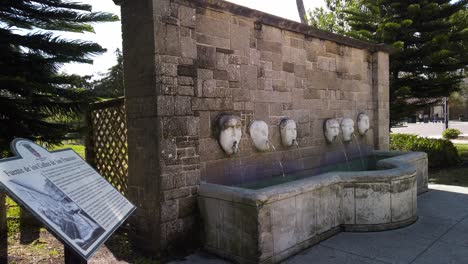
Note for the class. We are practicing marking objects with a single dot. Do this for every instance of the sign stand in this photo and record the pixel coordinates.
(71, 257)
(3, 229)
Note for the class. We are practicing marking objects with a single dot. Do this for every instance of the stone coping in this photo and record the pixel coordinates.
(397, 167)
(282, 23)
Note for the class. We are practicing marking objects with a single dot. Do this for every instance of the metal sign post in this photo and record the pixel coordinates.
(72, 258)
(446, 110)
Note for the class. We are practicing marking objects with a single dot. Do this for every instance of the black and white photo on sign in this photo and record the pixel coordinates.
(50, 202)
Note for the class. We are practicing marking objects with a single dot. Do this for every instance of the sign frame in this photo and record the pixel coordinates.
(52, 229)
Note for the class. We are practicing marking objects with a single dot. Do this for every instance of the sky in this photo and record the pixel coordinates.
(109, 35)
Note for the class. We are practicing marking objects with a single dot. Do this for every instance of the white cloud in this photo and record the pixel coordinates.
(109, 35)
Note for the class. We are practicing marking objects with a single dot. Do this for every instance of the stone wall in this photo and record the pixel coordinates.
(188, 61)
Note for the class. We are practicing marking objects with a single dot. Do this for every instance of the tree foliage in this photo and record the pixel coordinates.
(430, 38)
(111, 85)
(333, 18)
(36, 101)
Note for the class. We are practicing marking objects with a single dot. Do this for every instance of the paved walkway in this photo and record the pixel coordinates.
(439, 236)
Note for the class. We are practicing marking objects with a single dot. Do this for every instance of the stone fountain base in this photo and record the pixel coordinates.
(270, 224)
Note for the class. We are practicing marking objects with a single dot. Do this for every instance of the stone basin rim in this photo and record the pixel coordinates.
(397, 167)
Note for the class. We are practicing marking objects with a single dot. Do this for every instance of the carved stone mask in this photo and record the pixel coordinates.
(331, 130)
(259, 134)
(288, 132)
(363, 124)
(230, 133)
(347, 126)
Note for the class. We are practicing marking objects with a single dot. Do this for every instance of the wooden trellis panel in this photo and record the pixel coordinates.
(106, 144)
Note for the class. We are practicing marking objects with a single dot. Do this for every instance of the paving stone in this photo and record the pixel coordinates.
(458, 234)
(429, 227)
(388, 246)
(443, 205)
(443, 253)
(325, 255)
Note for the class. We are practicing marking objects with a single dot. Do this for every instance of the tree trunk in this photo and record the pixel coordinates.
(302, 12)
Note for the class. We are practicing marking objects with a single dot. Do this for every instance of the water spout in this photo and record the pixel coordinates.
(279, 161)
(345, 154)
(360, 152)
(295, 143)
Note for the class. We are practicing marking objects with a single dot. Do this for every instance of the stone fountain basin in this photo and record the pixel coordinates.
(270, 224)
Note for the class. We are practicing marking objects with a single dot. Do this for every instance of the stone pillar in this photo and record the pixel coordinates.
(160, 54)
(143, 126)
(381, 91)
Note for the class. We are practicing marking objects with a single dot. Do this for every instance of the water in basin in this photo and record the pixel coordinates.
(366, 164)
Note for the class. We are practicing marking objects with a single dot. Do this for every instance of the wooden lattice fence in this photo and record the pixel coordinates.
(106, 144)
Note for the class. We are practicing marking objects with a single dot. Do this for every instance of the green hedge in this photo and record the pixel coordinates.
(441, 152)
(451, 133)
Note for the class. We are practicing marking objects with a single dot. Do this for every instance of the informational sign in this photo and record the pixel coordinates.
(65, 193)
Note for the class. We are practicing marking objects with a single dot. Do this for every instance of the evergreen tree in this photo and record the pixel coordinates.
(333, 18)
(430, 38)
(36, 101)
(112, 84)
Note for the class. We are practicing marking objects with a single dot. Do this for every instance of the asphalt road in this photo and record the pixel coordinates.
(430, 129)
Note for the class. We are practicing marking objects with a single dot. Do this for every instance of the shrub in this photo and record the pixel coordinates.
(451, 133)
(441, 152)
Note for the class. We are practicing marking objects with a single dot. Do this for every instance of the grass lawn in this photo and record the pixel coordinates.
(455, 175)
(80, 149)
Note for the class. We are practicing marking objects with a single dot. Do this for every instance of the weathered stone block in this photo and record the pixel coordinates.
(213, 27)
(186, 70)
(165, 105)
(327, 209)
(274, 47)
(402, 199)
(271, 34)
(270, 96)
(240, 95)
(187, 206)
(211, 104)
(172, 40)
(288, 67)
(213, 41)
(348, 213)
(188, 48)
(192, 178)
(169, 211)
(179, 126)
(222, 61)
(206, 57)
(234, 72)
(183, 105)
(248, 77)
(220, 75)
(283, 225)
(373, 203)
(185, 91)
(187, 16)
(204, 74)
(168, 69)
(306, 218)
(240, 38)
(176, 194)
